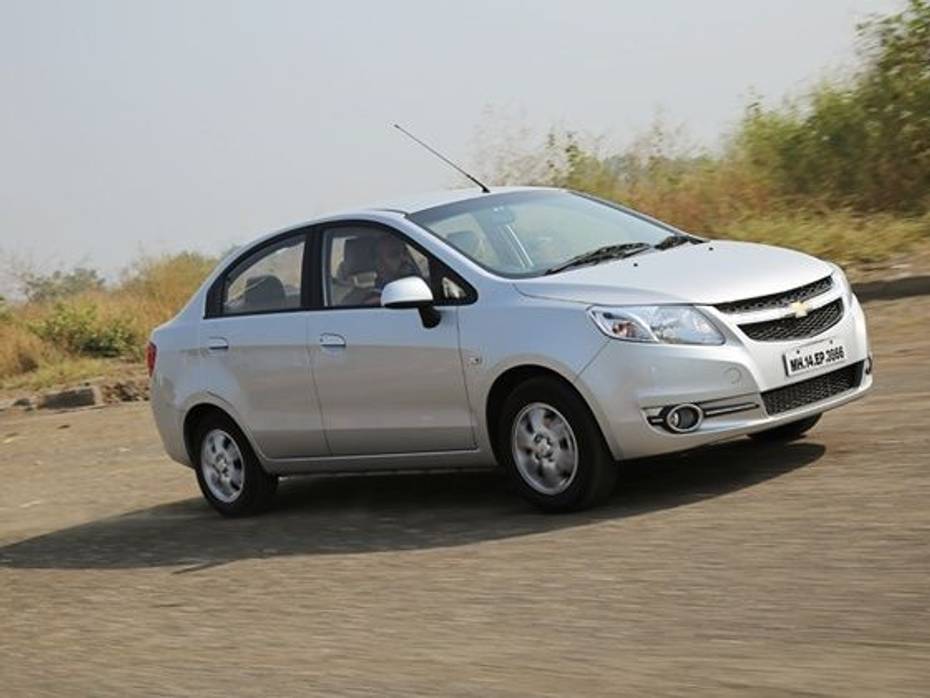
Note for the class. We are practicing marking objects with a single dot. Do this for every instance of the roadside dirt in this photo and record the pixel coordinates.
(736, 570)
(124, 382)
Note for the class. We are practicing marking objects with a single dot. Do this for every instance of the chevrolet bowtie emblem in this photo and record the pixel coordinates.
(799, 308)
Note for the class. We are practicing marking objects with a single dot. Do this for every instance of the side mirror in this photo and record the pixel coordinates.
(411, 292)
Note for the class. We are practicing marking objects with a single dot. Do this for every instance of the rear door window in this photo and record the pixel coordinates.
(269, 280)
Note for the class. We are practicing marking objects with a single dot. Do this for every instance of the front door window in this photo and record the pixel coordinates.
(360, 261)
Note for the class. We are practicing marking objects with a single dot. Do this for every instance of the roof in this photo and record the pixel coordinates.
(420, 202)
(404, 206)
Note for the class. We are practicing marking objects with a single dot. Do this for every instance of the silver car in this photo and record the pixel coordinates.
(542, 330)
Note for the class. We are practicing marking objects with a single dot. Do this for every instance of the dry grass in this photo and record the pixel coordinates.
(65, 370)
(93, 333)
(841, 237)
(21, 351)
(29, 363)
(724, 198)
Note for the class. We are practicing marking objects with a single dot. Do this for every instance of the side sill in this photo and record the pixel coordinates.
(392, 462)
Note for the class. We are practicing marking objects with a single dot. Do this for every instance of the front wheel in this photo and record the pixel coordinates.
(553, 449)
(230, 476)
(787, 432)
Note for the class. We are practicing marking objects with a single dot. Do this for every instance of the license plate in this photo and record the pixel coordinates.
(810, 357)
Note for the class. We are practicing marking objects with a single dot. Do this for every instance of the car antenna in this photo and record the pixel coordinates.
(442, 157)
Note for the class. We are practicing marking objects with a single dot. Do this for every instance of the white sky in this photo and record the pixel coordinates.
(129, 126)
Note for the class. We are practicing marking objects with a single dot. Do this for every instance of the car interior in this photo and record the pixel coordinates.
(268, 282)
(353, 256)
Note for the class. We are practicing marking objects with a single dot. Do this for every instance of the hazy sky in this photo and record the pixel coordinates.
(130, 126)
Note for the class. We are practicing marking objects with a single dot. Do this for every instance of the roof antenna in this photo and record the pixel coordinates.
(442, 157)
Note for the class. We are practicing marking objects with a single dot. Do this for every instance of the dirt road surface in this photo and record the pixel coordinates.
(799, 570)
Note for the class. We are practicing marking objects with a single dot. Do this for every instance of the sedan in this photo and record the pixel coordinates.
(541, 330)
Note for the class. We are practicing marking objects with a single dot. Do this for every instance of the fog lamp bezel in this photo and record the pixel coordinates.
(674, 409)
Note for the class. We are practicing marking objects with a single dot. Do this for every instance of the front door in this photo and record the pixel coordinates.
(386, 383)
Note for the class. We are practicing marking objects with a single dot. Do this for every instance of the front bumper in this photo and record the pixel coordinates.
(628, 383)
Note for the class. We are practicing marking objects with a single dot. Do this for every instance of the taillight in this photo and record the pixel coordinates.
(151, 353)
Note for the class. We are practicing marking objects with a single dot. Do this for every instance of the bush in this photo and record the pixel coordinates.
(154, 289)
(78, 329)
(862, 143)
(71, 326)
(168, 279)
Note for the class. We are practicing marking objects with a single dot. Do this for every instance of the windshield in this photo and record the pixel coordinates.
(525, 233)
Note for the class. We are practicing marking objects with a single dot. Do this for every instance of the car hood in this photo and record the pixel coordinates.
(706, 274)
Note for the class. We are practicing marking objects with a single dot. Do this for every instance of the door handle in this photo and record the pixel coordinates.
(332, 341)
(218, 344)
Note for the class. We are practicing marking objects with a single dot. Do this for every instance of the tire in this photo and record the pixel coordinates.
(218, 435)
(787, 432)
(539, 460)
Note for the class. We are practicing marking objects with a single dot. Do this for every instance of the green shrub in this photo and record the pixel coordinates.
(858, 144)
(864, 142)
(78, 329)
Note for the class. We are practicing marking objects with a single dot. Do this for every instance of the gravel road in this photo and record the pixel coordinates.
(801, 569)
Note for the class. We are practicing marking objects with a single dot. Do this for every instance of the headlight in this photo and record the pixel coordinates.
(670, 324)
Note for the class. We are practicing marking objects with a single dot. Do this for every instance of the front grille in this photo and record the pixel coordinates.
(812, 390)
(778, 300)
(783, 329)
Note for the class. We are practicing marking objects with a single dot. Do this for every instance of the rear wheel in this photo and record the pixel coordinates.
(230, 476)
(553, 449)
(787, 432)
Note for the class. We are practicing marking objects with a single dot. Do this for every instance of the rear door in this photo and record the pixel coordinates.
(387, 384)
(254, 348)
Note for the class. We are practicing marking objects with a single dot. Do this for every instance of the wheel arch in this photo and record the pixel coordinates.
(508, 381)
(195, 414)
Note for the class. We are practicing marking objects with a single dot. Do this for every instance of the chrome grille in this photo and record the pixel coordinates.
(778, 300)
(815, 322)
(812, 390)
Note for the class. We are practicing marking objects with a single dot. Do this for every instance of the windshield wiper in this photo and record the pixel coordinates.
(676, 240)
(601, 254)
(621, 251)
